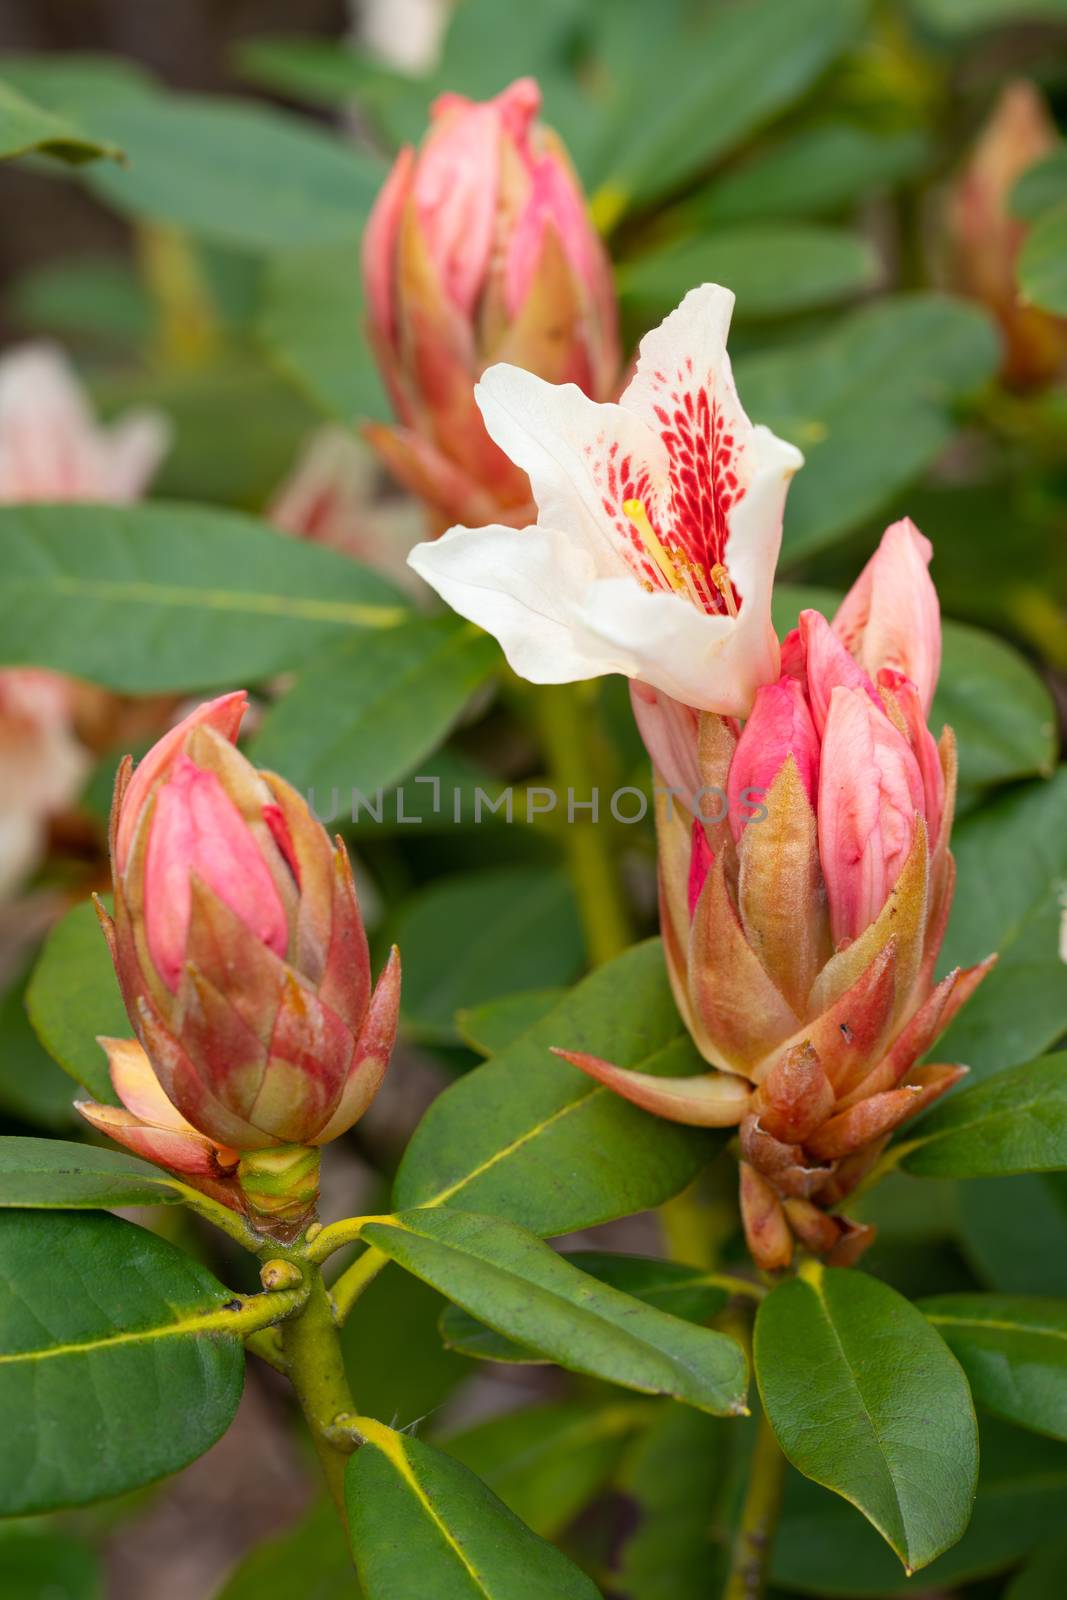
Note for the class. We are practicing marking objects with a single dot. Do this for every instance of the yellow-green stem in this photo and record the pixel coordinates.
(316, 1369)
(566, 736)
(751, 1557)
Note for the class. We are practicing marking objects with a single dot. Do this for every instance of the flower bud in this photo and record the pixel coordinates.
(480, 249)
(244, 967)
(801, 938)
(986, 236)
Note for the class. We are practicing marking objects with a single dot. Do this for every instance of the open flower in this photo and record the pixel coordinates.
(480, 249)
(802, 924)
(242, 960)
(658, 530)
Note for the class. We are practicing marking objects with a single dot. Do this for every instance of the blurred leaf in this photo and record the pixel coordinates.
(824, 1548)
(312, 326)
(395, 1359)
(311, 1560)
(206, 596)
(326, 72)
(519, 1285)
(1016, 1121)
(421, 1523)
(32, 1087)
(904, 1444)
(1042, 1577)
(365, 712)
(42, 1563)
(1014, 1231)
(813, 172)
(674, 1475)
(487, 45)
(102, 298)
(778, 267)
(73, 996)
(970, 16)
(25, 127)
(1043, 262)
(683, 1291)
(123, 1374)
(472, 938)
(547, 1462)
(1042, 185)
(442, 803)
(491, 1027)
(56, 1175)
(530, 1137)
(1014, 1352)
(1011, 861)
(868, 403)
(704, 90)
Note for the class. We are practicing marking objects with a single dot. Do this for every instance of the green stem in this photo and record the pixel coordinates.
(566, 734)
(352, 1282)
(316, 1370)
(220, 1216)
(751, 1558)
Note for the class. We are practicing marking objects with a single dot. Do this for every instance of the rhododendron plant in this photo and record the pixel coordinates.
(658, 529)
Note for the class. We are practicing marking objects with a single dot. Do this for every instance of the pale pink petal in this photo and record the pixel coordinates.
(891, 616)
(828, 666)
(780, 725)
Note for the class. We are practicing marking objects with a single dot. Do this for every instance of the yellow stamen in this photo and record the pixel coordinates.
(720, 577)
(634, 511)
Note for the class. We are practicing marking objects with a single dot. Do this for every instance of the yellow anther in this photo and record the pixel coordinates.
(634, 511)
(720, 577)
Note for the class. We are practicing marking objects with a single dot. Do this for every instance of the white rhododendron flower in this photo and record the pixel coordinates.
(658, 530)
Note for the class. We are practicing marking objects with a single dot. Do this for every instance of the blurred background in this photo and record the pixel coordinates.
(884, 185)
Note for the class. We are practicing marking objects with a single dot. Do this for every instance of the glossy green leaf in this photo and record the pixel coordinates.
(115, 1364)
(547, 1462)
(1016, 1121)
(57, 1175)
(26, 127)
(706, 88)
(518, 1285)
(206, 597)
(824, 1548)
(1043, 262)
(422, 1524)
(311, 1560)
(869, 405)
(778, 267)
(529, 1137)
(312, 325)
(687, 1292)
(1011, 861)
(903, 1447)
(491, 1027)
(472, 938)
(1014, 1352)
(813, 172)
(365, 712)
(43, 1563)
(73, 998)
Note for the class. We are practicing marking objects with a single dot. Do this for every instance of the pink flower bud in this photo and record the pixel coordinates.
(891, 617)
(480, 249)
(780, 726)
(241, 955)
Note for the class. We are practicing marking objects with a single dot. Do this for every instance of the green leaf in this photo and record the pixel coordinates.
(365, 712)
(1011, 861)
(548, 1462)
(491, 1027)
(670, 1286)
(41, 1563)
(778, 267)
(1042, 1577)
(100, 298)
(676, 1475)
(903, 1445)
(311, 1560)
(1041, 186)
(33, 1089)
(970, 16)
(705, 89)
(1015, 1121)
(393, 1354)
(1010, 1256)
(518, 1285)
(815, 171)
(324, 72)
(1014, 1352)
(530, 1137)
(472, 938)
(115, 1363)
(422, 1524)
(73, 997)
(869, 405)
(26, 127)
(823, 1548)
(1002, 713)
(311, 324)
(57, 1175)
(1043, 262)
(205, 597)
